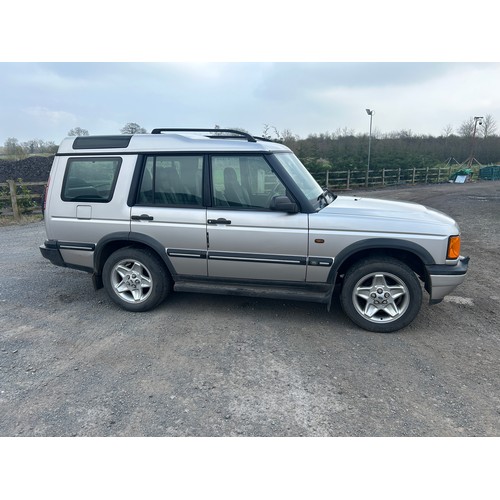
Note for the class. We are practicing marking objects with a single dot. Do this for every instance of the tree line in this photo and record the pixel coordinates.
(19, 150)
(344, 149)
(397, 150)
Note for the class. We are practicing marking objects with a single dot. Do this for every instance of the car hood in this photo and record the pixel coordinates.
(374, 215)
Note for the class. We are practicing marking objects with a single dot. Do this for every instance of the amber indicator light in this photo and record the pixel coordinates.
(453, 247)
(319, 240)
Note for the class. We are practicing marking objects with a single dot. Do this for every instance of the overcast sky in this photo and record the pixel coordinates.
(405, 82)
(46, 100)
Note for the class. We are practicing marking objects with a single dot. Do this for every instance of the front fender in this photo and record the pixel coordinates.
(365, 247)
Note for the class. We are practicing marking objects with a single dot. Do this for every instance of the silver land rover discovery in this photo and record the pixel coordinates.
(220, 211)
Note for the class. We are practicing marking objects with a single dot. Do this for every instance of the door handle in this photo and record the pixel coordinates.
(218, 221)
(142, 217)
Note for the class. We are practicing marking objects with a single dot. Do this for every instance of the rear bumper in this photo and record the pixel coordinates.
(444, 279)
(50, 251)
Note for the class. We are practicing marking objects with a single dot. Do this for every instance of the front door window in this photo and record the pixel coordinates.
(244, 182)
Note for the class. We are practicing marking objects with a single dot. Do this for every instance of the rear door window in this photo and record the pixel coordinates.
(172, 181)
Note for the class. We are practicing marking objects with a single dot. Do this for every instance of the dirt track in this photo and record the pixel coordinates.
(73, 364)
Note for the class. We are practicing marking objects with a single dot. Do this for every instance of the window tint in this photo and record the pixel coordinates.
(90, 179)
(244, 181)
(172, 180)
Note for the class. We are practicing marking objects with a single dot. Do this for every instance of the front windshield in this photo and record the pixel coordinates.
(304, 180)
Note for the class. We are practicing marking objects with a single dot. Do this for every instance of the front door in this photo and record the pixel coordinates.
(247, 240)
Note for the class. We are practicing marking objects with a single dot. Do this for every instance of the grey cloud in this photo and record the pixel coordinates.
(286, 80)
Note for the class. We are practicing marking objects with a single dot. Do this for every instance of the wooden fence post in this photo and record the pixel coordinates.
(348, 178)
(327, 178)
(13, 199)
(413, 178)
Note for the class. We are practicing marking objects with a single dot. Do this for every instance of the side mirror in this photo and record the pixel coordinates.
(283, 204)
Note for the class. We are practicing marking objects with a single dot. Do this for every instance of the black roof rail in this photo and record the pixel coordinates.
(237, 133)
(265, 139)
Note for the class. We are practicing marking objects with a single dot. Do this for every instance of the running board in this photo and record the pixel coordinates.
(306, 293)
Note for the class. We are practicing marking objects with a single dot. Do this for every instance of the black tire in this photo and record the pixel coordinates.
(381, 295)
(136, 279)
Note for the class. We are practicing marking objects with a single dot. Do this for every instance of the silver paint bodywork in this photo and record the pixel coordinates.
(256, 245)
(350, 219)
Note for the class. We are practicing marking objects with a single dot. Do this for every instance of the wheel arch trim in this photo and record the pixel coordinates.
(379, 244)
(114, 241)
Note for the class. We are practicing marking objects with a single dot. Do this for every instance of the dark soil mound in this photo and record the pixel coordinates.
(32, 169)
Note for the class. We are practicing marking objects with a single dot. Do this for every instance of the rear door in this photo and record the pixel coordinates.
(169, 209)
(247, 240)
(87, 201)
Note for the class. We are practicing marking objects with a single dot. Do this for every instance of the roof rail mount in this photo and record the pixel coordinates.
(237, 133)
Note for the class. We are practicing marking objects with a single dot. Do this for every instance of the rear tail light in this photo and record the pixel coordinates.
(45, 195)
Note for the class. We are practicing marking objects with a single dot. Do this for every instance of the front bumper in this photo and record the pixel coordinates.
(444, 279)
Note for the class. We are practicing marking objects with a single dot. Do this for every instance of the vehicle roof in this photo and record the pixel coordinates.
(166, 142)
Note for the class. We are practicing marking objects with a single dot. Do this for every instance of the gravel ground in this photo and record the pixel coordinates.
(73, 364)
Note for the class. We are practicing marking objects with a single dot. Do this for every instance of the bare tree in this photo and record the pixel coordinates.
(467, 127)
(78, 132)
(288, 137)
(266, 133)
(344, 132)
(32, 146)
(489, 126)
(14, 149)
(133, 128)
(447, 131)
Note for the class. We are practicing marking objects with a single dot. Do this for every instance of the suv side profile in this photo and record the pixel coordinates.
(220, 211)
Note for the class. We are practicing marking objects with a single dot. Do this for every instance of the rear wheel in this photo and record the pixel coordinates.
(382, 295)
(136, 279)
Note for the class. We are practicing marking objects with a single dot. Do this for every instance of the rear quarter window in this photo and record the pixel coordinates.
(90, 179)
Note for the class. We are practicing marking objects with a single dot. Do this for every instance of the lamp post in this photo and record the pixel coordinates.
(471, 157)
(370, 113)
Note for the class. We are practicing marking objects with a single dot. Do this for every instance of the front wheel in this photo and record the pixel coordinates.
(136, 279)
(381, 295)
